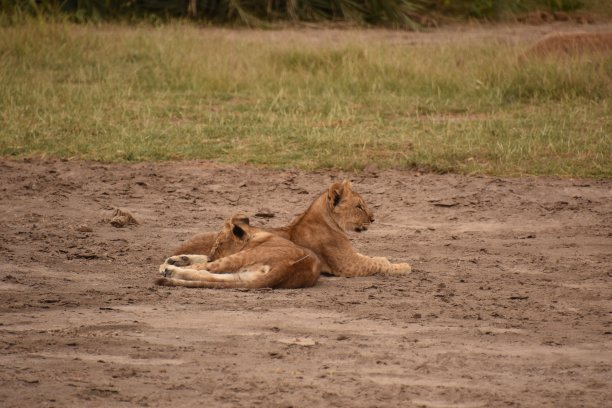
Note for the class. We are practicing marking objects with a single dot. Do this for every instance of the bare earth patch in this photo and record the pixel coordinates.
(508, 305)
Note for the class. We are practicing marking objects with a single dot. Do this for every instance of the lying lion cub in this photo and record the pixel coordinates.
(244, 257)
(322, 230)
(570, 44)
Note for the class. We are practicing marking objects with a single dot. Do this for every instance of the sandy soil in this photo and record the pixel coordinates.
(508, 305)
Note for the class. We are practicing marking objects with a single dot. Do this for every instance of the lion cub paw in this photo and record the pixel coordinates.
(186, 260)
(402, 268)
(167, 271)
(178, 260)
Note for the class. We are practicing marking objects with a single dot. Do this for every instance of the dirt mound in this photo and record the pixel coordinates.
(508, 304)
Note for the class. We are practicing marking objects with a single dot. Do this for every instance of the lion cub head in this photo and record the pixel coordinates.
(347, 207)
(235, 235)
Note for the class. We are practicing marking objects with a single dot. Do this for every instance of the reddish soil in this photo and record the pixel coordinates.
(508, 305)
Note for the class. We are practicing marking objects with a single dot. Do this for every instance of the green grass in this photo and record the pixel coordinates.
(308, 99)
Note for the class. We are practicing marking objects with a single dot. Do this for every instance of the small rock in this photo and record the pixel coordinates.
(84, 228)
(121, 219)
(342, 337)
(298, 341)
(264, 213)
(445, 204)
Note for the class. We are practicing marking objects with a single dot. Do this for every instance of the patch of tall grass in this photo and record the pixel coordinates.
(257, 13)
(253, 13)
(309, 99)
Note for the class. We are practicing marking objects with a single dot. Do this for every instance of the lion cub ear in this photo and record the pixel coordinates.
(240, 219)
(238, 231)
(347, 185)
(239, 223)
(335, 193)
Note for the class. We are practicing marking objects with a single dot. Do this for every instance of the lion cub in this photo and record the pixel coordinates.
(322, 229)
(244, 257)
(570, 44)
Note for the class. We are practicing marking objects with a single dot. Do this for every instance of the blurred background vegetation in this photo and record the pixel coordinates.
(111, 90)
(410, 14)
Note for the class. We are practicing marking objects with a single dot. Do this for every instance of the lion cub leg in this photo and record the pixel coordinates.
(362, 265)
(198, 263)
(246, 277)
(186, 260)
(390, 268)
(175, 272)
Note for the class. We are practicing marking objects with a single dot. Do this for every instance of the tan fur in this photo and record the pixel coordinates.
(321, 228)
(570, 44)
(199, 244)
(245, 257)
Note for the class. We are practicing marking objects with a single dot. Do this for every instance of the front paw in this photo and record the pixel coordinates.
(403, 268)
(178, 260)
(167, 271)
(186, 260)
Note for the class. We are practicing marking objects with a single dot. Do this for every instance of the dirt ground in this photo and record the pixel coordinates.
(508, 305)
